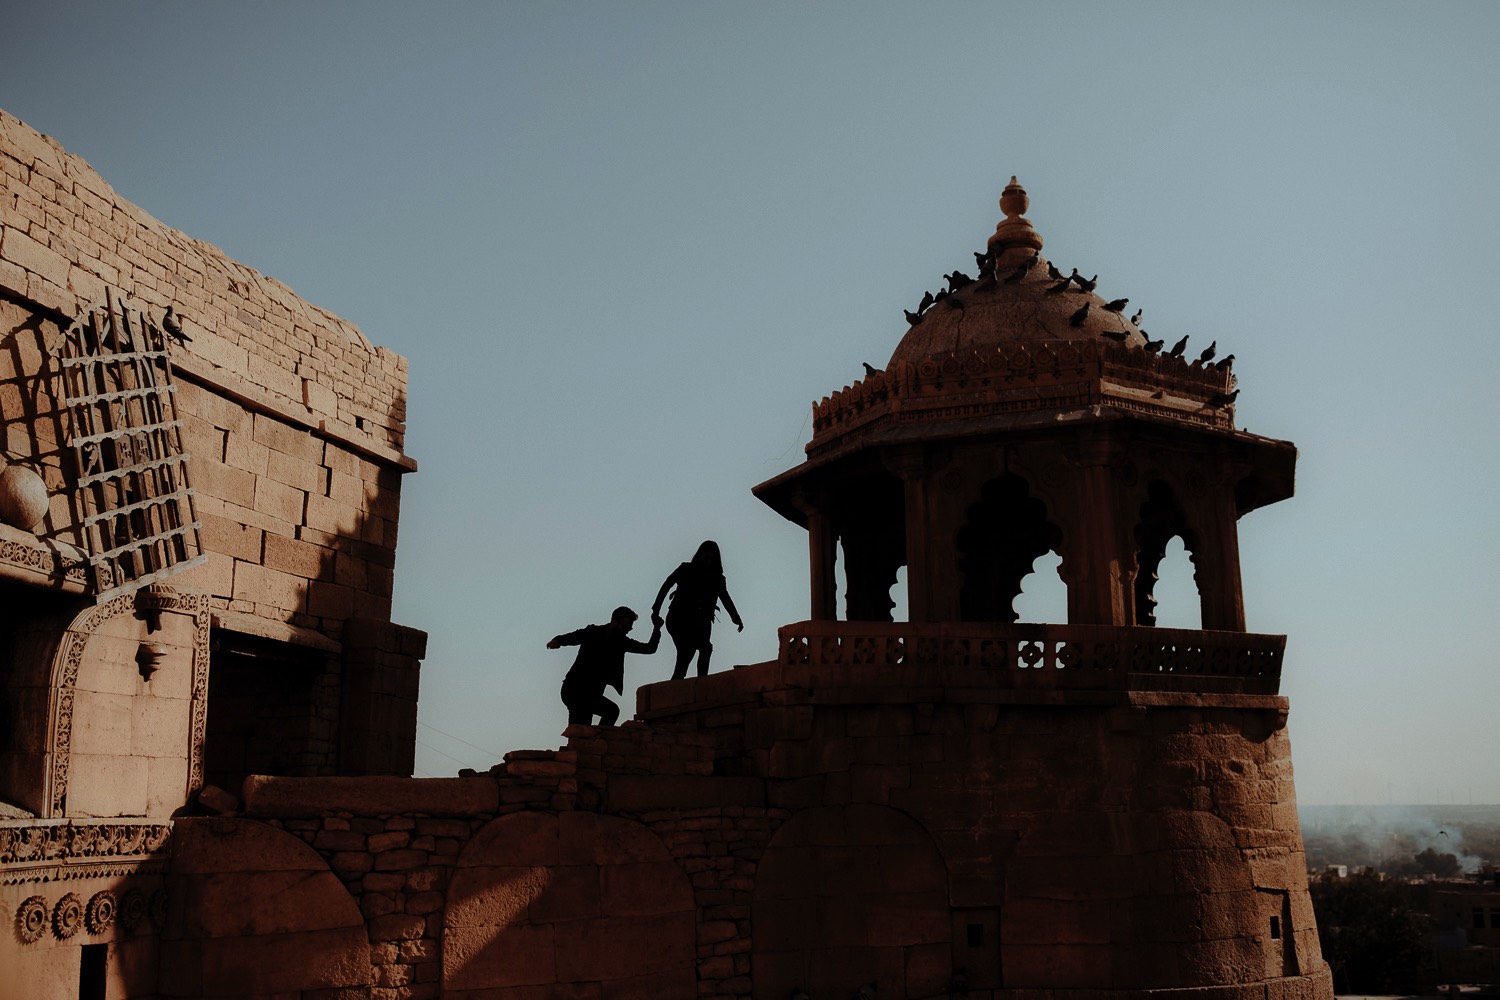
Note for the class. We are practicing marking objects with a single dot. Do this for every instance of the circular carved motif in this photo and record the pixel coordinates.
(101, 912)
(67, 916)
(31, 919)
(159, 909)
(132, 909)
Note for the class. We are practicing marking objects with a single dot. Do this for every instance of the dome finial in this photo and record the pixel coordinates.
(1014, 231)
(1013, 200)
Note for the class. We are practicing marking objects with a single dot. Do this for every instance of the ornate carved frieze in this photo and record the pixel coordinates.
(69, 914)
(44, 563)
(1015, 378)
(23, 843)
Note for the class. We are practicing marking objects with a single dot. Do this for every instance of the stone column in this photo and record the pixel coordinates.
(1095, 558)
(822, 555)
(1218, 562)
(911, 467)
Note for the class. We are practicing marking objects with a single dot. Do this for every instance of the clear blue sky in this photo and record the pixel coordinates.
(624, 246)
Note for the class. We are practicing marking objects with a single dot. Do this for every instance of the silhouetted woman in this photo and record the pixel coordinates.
(690, 619)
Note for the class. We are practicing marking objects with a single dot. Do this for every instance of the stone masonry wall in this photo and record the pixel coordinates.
(66, 236)
(1070, 847)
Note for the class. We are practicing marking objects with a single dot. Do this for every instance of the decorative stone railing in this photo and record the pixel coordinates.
(1041, 375)
(1067, 657)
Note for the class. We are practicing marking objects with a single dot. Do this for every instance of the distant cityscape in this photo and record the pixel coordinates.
(1407, 897)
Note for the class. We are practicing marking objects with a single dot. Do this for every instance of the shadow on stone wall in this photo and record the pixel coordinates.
(539, 899)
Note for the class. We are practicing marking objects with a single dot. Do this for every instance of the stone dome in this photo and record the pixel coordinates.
(1008, 306)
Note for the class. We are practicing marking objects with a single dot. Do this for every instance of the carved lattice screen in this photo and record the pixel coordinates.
(138, 520)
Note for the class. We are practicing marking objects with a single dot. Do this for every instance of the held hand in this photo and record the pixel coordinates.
(656, 620)
(553, 644)
(740, 626)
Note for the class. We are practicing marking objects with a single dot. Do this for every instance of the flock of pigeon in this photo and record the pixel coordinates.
(1063, 283)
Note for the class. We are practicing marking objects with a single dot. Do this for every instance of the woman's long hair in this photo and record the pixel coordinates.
(707, 561)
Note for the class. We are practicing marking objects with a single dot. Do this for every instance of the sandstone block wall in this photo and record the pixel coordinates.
(293, 420)
(293, 423)
(826, 837)
(65, 235)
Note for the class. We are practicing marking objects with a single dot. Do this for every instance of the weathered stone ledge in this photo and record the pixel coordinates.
(286, 798)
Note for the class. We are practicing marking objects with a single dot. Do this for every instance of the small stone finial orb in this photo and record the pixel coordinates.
(1013, 200)
(23, 497)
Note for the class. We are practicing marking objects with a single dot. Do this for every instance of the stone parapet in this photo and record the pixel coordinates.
(286, 798)
(1071, 657)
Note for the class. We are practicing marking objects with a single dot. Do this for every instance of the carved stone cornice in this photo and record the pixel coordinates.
(52, 850)
(1025, 377)
(42, 562)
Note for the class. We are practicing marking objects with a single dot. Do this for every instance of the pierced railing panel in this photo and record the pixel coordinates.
(1073, 657)
(137, 519)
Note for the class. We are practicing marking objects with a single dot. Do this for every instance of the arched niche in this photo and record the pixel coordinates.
(576, 901)
(846, 896)
(254, 911)
(1004, 533)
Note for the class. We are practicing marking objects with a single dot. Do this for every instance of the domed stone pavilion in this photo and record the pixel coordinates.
(1020, 414)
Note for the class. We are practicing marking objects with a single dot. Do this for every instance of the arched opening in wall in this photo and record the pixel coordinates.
(1005, 533)
(1177, 604)
(1162, 522)
(1044, 595)
(849, 896)
(31, 629)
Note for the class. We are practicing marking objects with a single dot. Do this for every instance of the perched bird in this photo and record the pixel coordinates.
(926, 301)
(1017, 274)
(1227, 363)
(957, 280)
(1061, 286)
(912, 317)
(1136, 319)
(1152, 346)
(173, 326)
(1034, 259)
(1178, 348)
(1053, 272)
(1208, 353)
(1082, 314)
(1089, 285)
(1116, 305)
(1220, 399)
(1115, 335)
(870, 370)
(984, 262)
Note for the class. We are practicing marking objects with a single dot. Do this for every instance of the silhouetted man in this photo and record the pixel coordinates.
(600, 662)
